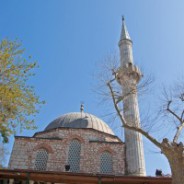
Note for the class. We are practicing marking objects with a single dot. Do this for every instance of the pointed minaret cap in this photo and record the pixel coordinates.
(124, 32)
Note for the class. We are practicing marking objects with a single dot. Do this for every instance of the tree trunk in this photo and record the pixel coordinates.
(175, 157)
(174, 153)
(177, 170)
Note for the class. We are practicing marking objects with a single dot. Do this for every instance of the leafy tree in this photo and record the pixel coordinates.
(18, 101)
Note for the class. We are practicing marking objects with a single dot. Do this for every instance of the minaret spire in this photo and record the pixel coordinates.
(128, 77)
(125, 45)
(124, 31)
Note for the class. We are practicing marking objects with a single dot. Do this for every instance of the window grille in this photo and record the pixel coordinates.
(41, 160)
(74, 155)
(106, 163)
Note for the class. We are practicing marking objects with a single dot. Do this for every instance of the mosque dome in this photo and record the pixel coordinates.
(79, 120)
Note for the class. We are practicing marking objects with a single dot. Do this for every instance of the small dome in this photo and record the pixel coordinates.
(79, 120)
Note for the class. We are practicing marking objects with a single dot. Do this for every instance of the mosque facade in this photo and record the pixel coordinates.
(79, 141)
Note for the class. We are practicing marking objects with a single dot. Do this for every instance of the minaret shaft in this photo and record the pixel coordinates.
(126, 54)
(129, 76)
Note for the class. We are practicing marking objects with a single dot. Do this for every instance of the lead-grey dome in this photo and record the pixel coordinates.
(80, 120)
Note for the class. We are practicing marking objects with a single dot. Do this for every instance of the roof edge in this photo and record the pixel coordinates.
(46, 131)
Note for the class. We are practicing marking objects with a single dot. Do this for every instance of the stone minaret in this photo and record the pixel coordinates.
(128, 77)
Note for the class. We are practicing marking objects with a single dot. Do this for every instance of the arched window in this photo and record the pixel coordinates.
(41, 160)
(106, 163)
(74, 155)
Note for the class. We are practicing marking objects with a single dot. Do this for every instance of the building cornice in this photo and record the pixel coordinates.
(82, 178)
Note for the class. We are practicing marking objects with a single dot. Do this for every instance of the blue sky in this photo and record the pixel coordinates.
(69, 38)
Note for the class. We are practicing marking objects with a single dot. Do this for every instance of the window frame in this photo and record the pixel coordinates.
(41, 160)
(74, 153)
(106, 162)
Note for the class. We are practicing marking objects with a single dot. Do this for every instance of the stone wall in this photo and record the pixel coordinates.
(57, 141)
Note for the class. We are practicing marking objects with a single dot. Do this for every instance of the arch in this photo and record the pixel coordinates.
(74, 155)
(44, 146)
(74, 136)
(41, 160)
(106, 163)
(106, 148)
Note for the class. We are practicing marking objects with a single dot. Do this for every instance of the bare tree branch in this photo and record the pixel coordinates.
(124, 123)
(178, 132)
(172, 112)
(182, 118)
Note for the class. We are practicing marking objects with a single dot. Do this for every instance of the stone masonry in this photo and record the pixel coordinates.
(57, 141)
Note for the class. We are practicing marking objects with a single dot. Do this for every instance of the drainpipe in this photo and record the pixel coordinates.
(99, 180)
(27, 179)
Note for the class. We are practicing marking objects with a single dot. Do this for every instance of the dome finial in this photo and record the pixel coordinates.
(82, 107)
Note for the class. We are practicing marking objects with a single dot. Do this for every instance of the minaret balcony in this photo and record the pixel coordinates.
(129, 72)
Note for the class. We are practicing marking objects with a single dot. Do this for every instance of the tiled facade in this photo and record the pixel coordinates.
(56, 142)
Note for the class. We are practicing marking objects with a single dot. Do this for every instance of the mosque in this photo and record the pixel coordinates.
(79, 147)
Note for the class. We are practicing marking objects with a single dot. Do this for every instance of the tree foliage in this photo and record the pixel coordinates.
(18, 101)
